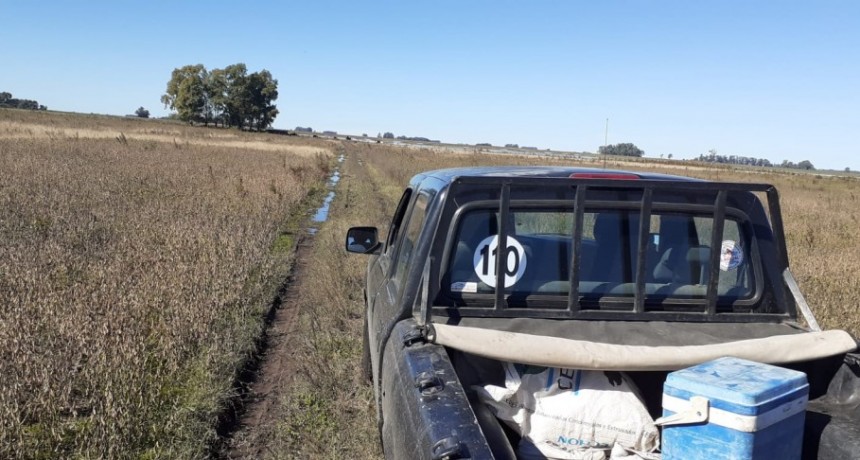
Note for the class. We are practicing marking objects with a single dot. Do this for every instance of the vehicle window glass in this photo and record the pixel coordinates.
(397, 220)
(735, 277)
(410, 237)
(540, 253)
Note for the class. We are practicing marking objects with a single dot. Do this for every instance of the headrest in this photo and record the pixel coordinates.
(699, 255)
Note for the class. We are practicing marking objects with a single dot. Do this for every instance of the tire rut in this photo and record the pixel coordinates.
(259, 410)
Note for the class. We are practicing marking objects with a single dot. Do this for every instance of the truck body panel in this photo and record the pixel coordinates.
(519, 249)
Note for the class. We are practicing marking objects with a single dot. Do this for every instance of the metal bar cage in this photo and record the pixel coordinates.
(626, 310)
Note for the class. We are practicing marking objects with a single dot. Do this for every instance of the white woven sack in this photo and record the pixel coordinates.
(572, 414)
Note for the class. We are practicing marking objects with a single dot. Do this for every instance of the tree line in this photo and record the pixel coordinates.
(230, 96)
(713, 157)
(624, 149)
(7, 101)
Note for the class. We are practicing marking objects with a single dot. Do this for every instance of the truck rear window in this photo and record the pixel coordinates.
(540, 244)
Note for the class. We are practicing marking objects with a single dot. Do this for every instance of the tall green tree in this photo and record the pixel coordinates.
(235, 96)
(806, 164)
(624, 149)
(261, 90)
(186, 93)
(230, 96)
(216, 87)
(246, 100)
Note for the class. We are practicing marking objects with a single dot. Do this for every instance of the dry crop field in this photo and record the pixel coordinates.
(136, 260)
(133, 280)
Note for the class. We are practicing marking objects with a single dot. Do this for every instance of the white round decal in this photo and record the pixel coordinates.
(485, 261)
(731, 256)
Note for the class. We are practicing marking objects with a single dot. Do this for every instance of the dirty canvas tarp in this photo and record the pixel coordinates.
(651, 349)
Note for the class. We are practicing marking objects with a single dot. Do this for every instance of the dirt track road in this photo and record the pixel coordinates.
(277, 367)
(304, 398)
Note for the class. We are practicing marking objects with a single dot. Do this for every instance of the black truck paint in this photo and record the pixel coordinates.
(424, 407)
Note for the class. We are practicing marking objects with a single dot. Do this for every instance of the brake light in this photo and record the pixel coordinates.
(612, 176)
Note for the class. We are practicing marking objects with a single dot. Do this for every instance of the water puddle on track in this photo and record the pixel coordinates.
(320, 215)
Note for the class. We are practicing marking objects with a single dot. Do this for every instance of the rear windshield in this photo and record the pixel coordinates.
(677, 256)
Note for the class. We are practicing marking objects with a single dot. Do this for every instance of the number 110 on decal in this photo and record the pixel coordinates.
(484, 261)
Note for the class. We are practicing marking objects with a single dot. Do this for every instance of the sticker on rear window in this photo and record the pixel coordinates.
(464, 286)
(731, 256)
(485, 261)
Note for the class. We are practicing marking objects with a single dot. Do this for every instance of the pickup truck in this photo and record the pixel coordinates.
(598, 270)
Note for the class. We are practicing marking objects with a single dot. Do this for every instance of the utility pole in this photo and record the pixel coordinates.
(606, 134)
(605, 141)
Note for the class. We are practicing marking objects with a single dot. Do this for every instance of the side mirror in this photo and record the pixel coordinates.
(362, 240)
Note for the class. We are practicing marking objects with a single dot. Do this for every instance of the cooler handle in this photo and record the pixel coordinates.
(696, 413)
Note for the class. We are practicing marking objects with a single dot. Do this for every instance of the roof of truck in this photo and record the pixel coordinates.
(448, 175)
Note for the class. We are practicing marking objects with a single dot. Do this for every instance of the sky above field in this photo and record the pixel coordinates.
(775, 80)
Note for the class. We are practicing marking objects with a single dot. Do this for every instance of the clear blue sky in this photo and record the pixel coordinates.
(777, 80)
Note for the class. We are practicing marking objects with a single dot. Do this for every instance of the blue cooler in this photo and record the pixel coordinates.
(732, 408)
